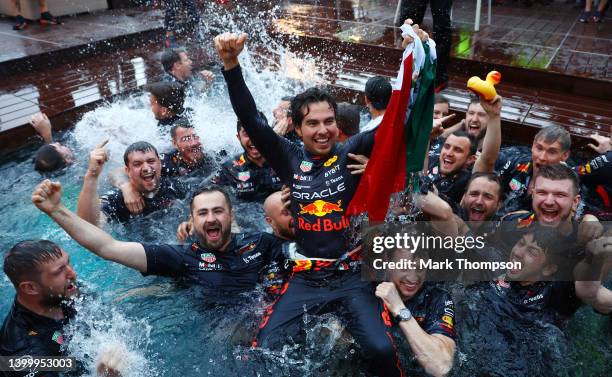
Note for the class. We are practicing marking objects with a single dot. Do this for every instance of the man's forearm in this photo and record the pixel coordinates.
(432, 353)
(88, 207)
(99, 242)
(490, 147)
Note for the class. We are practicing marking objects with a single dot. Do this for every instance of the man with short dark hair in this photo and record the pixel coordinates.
(347, 119)
(220, 261)
(179, 68)
(596, 178)
(475, 123)
(167, 100)
(143, 168)
(248, 173)
(517, 169)
(377, 95)
(45, 284)
(283, 124)
(52, 155)
(188, 156)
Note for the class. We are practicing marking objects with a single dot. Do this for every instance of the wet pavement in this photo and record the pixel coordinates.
(68, 69)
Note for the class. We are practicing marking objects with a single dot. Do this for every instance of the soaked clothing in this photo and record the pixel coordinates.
(321, 189)
(434, 311)
(173, 165)
(167, 123)
(248, 259)
(250, 182)
(113, 203)
(344, 294)
(27, 333)
(596, 179)
(450, 187)
(555, 296)
(515, 168)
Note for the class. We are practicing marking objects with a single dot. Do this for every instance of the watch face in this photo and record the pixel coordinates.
(404, 314)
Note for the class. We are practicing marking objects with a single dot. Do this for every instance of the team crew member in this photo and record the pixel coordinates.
(188, 157)
(550, 145)
(45, 283)
(531, 287)
(248, 173)
(424, 314)
(52, 155)
(321, 188)
(218, 260)
(283, 124)
(167, 100)
(596, 178)
(347, 119)
(179, 68)
(452, 171)
(377, 96)
(144, 187)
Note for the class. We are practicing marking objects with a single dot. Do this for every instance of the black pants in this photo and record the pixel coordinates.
(346, 295)
(442, 32)
(171, 8)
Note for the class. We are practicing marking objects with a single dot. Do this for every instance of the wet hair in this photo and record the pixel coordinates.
(559, 172)
(474, 100)
(553, 133)
(440, 98)
(378, 90)
(547, 238)
(208, 189)
(300, 103)
(170, 95)
(22, 261)
(169, 57)
(139, 146)
(491, 177)
(287, 98)
(48, 159)
(181, 123)
(471, 138)
(347, 118)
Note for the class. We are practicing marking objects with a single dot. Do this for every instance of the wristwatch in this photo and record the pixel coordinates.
(403, 315)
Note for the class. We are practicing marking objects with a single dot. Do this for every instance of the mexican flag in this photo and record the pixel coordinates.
(402, 137)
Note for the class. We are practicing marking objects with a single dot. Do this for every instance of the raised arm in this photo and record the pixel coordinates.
(492, 139)
(47, 197)
(441, 214)
(591, 271)
(88, 207)
(41, 123)
(276, 149)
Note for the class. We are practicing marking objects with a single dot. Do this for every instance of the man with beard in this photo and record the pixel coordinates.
(143, 168)
(248, 173)
(187, 158)
(218, 261)
(45, 283)
(517, 169)
(179, 68)
(475, 124)
(451, 172)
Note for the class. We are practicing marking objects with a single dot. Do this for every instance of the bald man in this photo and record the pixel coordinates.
(279, 217)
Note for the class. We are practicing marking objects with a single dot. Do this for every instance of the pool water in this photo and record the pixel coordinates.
(168, 329)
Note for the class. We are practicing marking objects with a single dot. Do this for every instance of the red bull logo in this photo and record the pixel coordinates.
(323, 225)
(321, 208)
(523, 168)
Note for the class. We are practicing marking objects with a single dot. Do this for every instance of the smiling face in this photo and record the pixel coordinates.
(543, 153)
(533, 259)
(318, 129)
(481, 199)
(144, 171)
(440, 110)
(249, 148)
(187, 142)
(476, 120)
(57, 281)
(212, 220)
(455, 154)
(553, 201)
(408, 282)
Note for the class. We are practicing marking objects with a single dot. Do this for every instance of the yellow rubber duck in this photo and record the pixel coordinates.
(485, 88)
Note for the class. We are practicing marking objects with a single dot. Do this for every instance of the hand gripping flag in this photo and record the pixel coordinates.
(402, 137)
